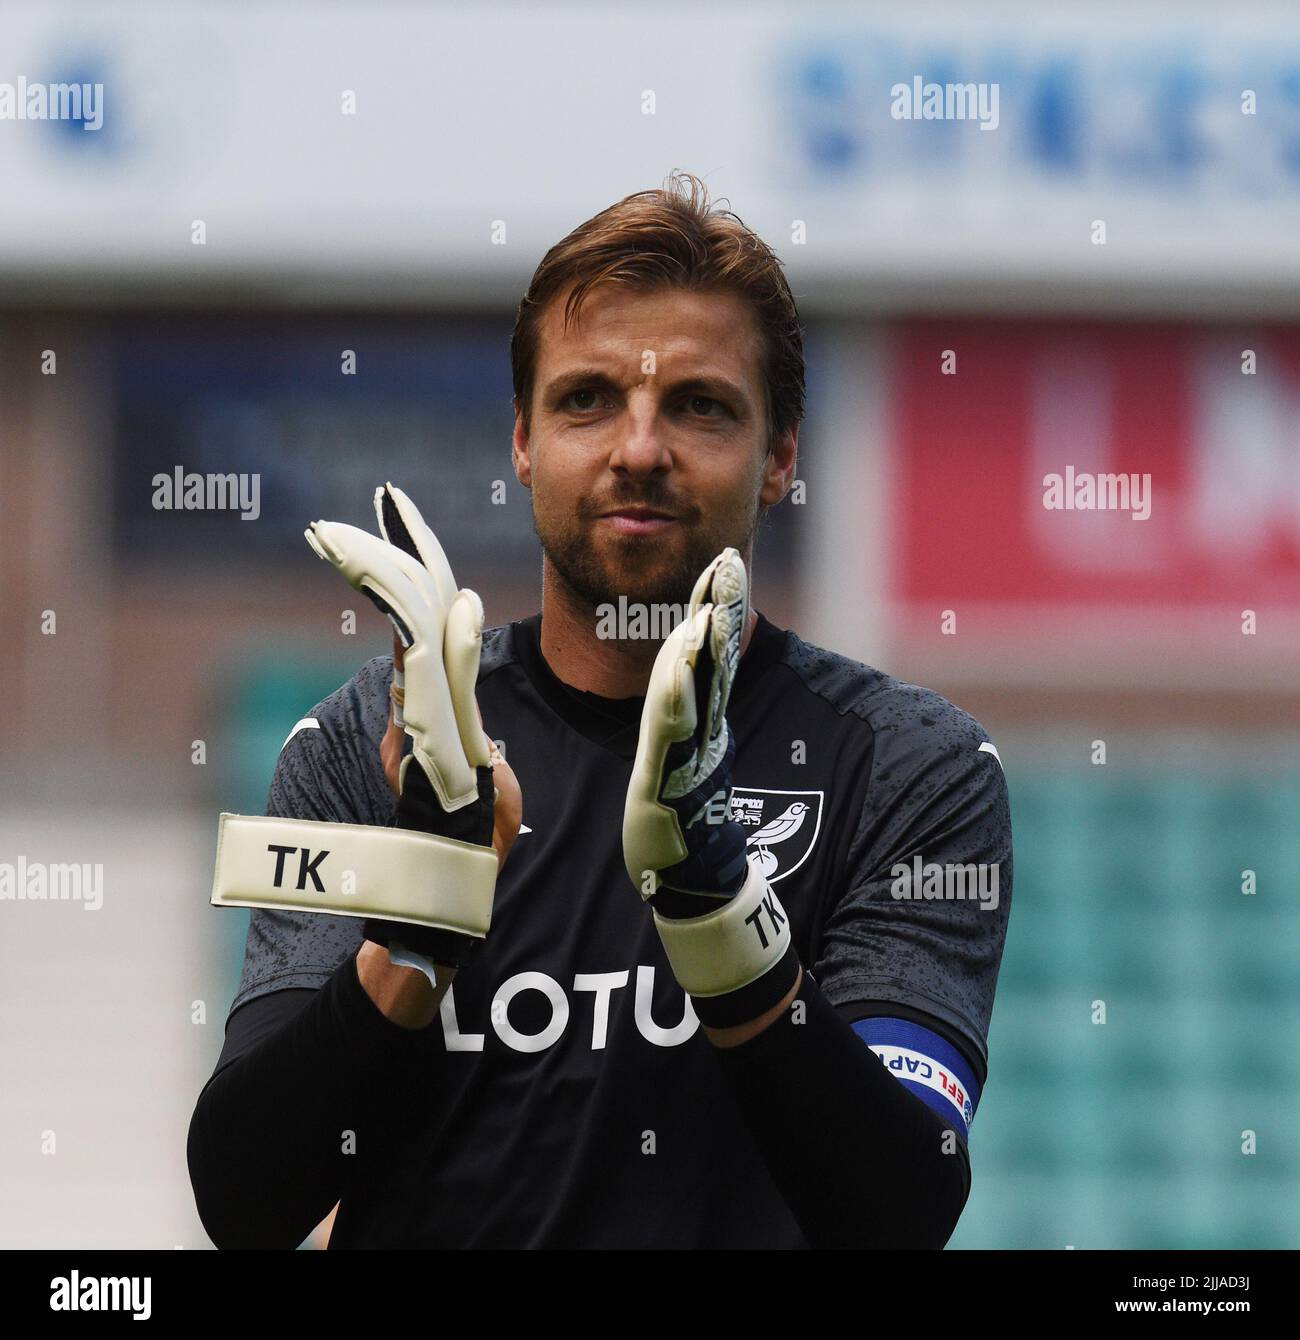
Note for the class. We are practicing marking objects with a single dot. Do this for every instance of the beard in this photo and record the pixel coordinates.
(657, 569)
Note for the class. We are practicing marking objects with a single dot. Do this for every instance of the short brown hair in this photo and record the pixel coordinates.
(671, 238)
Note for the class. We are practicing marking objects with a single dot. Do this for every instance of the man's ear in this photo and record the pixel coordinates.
(779, 467)
(520, 456)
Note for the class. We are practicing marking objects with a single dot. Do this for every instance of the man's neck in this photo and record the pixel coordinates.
(581, 659)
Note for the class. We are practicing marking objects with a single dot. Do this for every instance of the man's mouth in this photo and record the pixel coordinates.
(637, 520)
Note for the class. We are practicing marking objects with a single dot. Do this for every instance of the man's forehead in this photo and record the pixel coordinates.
(678, 325)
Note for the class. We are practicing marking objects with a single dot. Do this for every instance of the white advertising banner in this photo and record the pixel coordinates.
(895, 155)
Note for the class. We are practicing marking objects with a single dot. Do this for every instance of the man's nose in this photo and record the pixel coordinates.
(640, 448)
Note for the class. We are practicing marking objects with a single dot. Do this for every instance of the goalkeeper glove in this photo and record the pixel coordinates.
(725, 933)
(425, 886)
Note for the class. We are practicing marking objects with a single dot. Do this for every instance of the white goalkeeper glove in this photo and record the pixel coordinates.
(725, 933)
(425, 887)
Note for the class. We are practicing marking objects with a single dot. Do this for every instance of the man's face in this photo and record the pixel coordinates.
(647, 453)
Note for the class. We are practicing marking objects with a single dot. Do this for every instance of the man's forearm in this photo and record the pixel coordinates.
(860, 1161)
(404, 996)
(278, 1133)
(738, 1033)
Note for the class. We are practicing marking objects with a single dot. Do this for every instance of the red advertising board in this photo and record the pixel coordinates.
(1081, 474)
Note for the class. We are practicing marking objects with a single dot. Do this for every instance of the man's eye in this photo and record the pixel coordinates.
(586, 397)
(703, 405)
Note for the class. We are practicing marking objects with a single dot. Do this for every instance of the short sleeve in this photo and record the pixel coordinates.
(924, 917)
(287, 950)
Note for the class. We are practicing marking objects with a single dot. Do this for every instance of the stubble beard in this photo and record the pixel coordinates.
(646, 570)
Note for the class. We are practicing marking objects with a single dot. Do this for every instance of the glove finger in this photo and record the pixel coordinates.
(701, 594)
(668, 715)
(395, 581)
(652, 838)
(401, 524)
(672, 680)
(729, 592)
(400, 585)
(462, 646)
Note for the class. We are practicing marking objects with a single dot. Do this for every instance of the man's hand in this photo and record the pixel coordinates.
(724, 930)
(424, 885)
(509, 811)
(405, 995)
(681, 848)
(446, 786)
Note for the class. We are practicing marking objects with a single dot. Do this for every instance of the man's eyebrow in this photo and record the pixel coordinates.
(715, 386)
(565, 383)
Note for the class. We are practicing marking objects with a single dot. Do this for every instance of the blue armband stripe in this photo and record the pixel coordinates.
(929, 1065)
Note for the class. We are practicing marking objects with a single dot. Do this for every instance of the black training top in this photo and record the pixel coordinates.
(568, 1096)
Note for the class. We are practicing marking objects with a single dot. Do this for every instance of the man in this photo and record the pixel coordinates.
(559, 1088)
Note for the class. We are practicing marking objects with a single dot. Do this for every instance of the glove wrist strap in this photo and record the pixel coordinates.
(735, 963)
(354, 870)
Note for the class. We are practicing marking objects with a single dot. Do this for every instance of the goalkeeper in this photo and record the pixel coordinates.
(715, 989)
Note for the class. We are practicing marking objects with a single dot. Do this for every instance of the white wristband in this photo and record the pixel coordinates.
(726, 950)
(354, 870)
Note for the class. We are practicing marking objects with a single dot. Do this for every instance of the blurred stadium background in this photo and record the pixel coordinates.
(406, 232)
